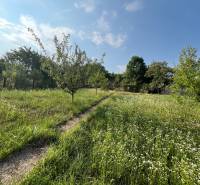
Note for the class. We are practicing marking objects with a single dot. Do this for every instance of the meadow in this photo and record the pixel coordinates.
(129, 140)
(28, 116)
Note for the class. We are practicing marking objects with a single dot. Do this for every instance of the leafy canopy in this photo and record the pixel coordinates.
(67, 65)
(159, 76)
(135, 73)
(187, 74)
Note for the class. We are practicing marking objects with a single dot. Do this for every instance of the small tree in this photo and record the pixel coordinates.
(66, 66)
(8, 73)
(187, 73)
(97, 74)
(9, 76)
(118, 79)
(97, 79)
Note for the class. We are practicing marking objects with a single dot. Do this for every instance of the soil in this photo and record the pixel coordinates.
(17, 165)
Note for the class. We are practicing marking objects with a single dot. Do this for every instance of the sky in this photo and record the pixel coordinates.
(156, 30)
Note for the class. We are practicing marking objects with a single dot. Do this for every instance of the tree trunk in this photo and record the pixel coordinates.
(33, 84)
(72, 97)
(4, 82)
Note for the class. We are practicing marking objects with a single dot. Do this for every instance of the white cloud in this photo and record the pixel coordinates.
(49, 32)
(4, 23)
(18, 34)
(29, 22)
(104, 34)
(115, 41)
(121, 68)
(15, 33)
(102, 22)
(87, 5)
(134, 6)
(82, 35)
(97, 38)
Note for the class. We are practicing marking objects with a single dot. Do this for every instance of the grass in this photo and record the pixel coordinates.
(130, 140)
(26, 116)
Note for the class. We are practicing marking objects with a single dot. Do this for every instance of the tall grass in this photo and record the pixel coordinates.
(140, 139)
(28, 115)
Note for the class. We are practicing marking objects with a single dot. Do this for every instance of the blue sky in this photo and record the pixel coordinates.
(153, 29)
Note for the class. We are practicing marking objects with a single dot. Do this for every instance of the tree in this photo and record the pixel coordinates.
(8, 73)
(67, 66)
(187, 73)
(135, 74)
(2, 69)
(97, 80)
(97, 76)
(110, 80)
(118, 81)
(160, 76)
(29, 64)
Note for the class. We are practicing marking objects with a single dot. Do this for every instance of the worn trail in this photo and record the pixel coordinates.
(20, 163)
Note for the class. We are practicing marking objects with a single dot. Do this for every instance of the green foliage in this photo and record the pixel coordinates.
(68, 66)
(118, 81)
(159, 76)
(22, 69)
(97, 74)
(30, 115)
(7, 74)
(135, 72)
(2, 68)
(68, 71)
(97, 79)
(140, 139)
(187, 74)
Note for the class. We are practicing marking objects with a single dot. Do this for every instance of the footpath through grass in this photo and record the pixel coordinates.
(28, 115)
(130, 140)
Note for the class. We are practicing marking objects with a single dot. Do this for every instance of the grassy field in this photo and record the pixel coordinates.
(130, 140)
(28, 115)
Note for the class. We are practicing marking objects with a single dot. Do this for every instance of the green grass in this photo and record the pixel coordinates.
(132, 139)
(26, 116)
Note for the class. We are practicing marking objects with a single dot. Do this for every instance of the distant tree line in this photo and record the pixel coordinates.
(22, 68)
(70, 69)
(155, 78)
(158, 77)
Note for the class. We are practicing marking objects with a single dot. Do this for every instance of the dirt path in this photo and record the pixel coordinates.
(13, 168)
(19, 164)
(83, 116)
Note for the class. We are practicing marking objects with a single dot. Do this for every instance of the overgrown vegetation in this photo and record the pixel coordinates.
(132, 139)
(22, 68)
(70, 69)
(31, 115)
(187, 76)
(159, 77)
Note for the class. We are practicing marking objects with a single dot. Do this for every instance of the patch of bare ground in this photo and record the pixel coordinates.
(20, 163)
(17, 165)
